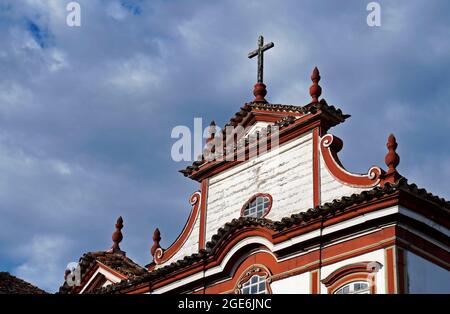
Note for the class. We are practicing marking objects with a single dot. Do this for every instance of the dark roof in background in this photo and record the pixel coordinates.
(10, 284)
(115, 261)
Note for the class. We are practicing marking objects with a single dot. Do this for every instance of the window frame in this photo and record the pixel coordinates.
(253, 198)
(356, 272)
(353, 282)
(249, 273)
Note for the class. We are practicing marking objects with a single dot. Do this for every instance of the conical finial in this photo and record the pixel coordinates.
(156, 239)
(117, 237)
(392, 159)
(315, 90)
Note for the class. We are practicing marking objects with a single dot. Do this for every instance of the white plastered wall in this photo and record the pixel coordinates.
(298, 284)
(330, 187)
(285, 173)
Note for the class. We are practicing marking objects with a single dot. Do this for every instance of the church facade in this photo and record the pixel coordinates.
(283, 215)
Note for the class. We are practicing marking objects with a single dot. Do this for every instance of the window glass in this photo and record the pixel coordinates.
(258, 207)
(359, 287)
(255, 285)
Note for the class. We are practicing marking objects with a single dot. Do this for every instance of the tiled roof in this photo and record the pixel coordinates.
(327, 209)
(115, 261)
(283, 122)
(10, 284)
(310, 108)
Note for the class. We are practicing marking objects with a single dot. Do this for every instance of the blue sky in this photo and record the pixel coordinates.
(86, 113)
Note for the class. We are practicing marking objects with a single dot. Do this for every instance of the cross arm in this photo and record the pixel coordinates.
(254, 53)
(267, 46)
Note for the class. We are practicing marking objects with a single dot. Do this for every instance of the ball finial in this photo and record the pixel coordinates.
(260, 91)
(156, 239)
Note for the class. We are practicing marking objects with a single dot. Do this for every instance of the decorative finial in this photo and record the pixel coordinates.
(260, 91)
(315, 90)
(117, 237)
(156, 239)
(260, 88)
(392, 160)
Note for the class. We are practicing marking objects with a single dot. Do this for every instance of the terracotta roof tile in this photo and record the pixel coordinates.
(115, 261)
(283, 122)
(10, 284)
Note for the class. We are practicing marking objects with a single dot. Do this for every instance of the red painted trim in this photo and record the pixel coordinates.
(391, 278)
(253, 198)
(90, 272)
(330, 255)
(361, 271)
(203, 213)
(316, 168)
(112, 271)
(95, 283)
(315, 283)
(161, 255)
(381, 239)
(363, 276)
(329, 146)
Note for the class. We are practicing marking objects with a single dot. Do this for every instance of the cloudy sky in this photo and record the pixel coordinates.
(86, 112)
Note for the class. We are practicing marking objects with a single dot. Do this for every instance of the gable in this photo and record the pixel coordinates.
(302, 172)
(103, 276)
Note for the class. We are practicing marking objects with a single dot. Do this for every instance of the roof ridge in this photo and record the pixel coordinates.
(281, 123)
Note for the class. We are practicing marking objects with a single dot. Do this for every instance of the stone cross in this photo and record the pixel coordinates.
(260, 53)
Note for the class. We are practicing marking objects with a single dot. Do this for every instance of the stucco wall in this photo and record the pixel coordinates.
(299, 284)
(285, 173)
(330, 188)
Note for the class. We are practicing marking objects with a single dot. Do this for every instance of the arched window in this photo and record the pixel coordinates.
(356, 278)
(258, 206)
(254, 280)
(358, 287)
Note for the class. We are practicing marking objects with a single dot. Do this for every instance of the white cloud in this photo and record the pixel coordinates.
(57, 60)
(14, 97)
(138, 73)
(42, 257)
(116, 11)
